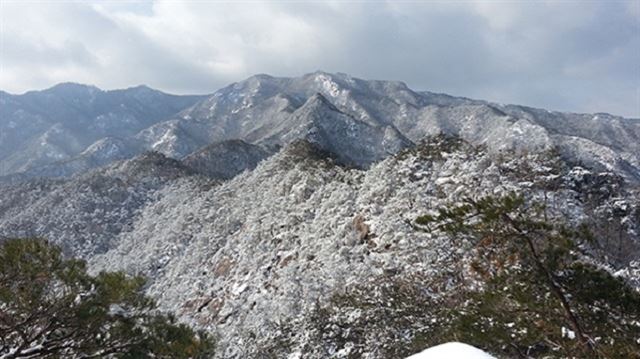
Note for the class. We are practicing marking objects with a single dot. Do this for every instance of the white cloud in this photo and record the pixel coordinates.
(550, 54)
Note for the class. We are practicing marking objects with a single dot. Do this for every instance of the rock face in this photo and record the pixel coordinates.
(306, 187)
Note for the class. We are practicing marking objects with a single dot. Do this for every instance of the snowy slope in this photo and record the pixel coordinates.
(361, 121)
(244, 256)
(261, 248)
(271, 110)
(87, 213)
(39, 128)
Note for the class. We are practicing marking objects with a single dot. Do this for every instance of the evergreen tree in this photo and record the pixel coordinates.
(540, 294)
(50, 307)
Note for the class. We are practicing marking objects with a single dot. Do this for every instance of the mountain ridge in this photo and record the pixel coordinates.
(426, 92)
(242, 256)
(251, 110)
(41, 127)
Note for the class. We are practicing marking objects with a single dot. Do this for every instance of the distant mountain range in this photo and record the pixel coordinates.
(77, 127)
(70, 128)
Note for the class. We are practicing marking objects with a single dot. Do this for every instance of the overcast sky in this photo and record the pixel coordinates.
(581, 56)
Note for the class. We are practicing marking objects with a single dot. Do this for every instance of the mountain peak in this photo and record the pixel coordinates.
(141, 88)
(153, 164)
(262, 77)
(139, 91)
(72, 88)
(319, 73)
(331, 78)
(332, 75)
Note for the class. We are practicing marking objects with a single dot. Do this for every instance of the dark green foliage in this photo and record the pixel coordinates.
(433, 148)
(535, 285)
(591, 285)
(609, 308)
(544, 170)
(50, 308)
(399, 310)
(312, 156)
(516, 315)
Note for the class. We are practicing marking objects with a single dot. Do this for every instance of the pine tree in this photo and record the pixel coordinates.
(537, 281)
(50, 307)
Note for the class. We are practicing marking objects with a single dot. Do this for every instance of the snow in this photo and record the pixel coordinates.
(167, 138)
(273, 241)
(280, 236)
(568, 333)
(328, 85)
(33, 136)
(452, 350)
(236, 111)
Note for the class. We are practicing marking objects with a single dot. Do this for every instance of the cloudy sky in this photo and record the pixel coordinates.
(581, 56)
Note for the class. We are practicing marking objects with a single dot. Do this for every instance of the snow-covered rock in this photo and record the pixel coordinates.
(452, 350)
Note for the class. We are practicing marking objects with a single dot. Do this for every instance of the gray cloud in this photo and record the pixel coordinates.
(571, 56)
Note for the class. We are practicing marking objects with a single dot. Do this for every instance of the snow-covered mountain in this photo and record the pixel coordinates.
(266, 200)
(59, 124)
(358, 120)
(382, 117)
(252, 256)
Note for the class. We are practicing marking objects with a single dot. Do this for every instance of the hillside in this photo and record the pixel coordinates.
(71, 121)
(241, 256)
(280, 203)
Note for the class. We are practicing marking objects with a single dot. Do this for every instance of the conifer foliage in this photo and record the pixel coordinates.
(50, 307)
(541, 295)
